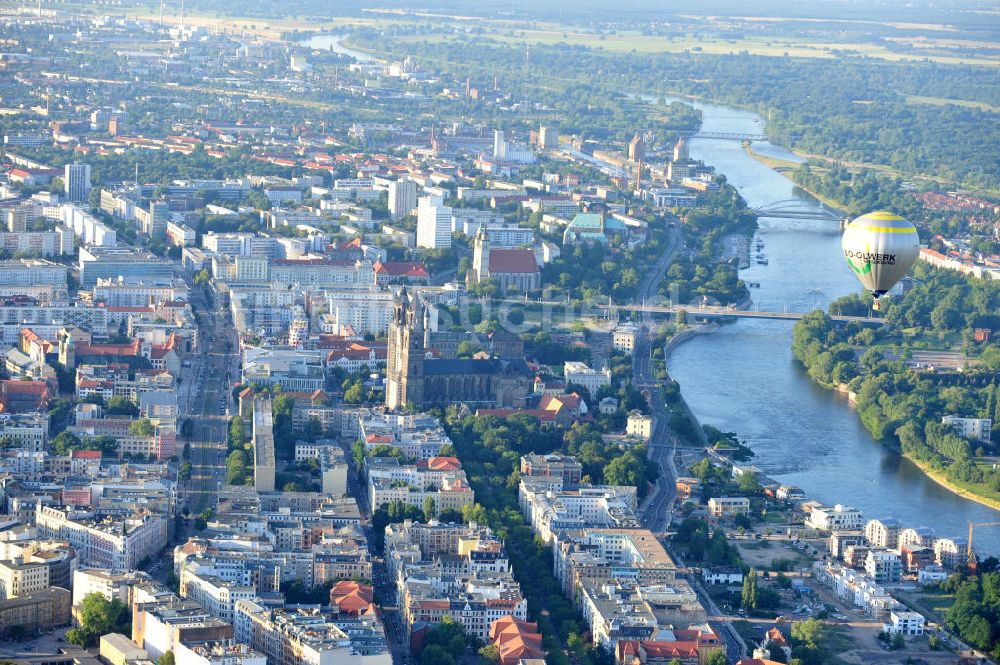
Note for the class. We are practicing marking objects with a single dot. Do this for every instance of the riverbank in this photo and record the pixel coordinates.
(969, 491)
(951, 487)
(785, 167)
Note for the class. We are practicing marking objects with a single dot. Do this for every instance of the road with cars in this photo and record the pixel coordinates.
(207, 399)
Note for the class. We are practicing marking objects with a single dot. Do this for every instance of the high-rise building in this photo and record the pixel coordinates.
(499, 144)
(548, 136)
(76, 180)
(636, 149)
(402, 198)
(681, 153)
(433, 225)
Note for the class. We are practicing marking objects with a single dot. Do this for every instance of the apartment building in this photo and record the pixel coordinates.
(264, 463)
(550, 511)
(310, 636)
(883, 533)
(580, 374)
(883, 567)
(461, 571)
(105, 541)
(18, 578)
(836, 518)
(440, 479)
(727, 507)
(215, 594)
(562, 467)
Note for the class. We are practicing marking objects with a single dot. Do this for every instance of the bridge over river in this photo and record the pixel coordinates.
(693, 311)
(797, 209)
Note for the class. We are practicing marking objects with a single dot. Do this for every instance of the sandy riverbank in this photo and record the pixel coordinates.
(964, 493)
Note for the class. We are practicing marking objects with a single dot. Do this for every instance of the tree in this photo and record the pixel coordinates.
(435, 655)
(141, 427)
(716, 658)
(355, 394)
(898, 642)
(122, 406)
(236, 468)
(100, 616)
(166, 659)
(313, 429)
(77, 636)
(489, 655)
(429, 509)
(450, 636)
(808, 633)
(65, 442)
(749, 599)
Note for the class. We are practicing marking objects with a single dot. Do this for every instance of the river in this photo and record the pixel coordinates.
(743, 378)
(331, 42)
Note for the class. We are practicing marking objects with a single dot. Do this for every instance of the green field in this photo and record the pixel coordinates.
(624, 42)
(942, 101)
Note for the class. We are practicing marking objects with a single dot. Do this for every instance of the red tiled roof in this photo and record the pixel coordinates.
(311, 263)
(512, 261)
(352, 598)
(85, 454)
(84, 349)
(411, 269)
(441, 463)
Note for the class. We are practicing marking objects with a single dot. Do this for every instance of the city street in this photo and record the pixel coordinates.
(207, 401)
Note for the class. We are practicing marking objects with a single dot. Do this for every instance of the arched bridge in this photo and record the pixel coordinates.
(796, 209)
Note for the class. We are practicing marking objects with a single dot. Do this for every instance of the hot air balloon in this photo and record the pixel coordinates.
(880, 248)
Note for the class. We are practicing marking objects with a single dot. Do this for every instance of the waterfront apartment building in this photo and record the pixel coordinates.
(724, 507)
(639, 426)
(883, 533)
(837, 518)
(974, 429)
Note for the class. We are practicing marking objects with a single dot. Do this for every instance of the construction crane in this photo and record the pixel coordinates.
(969, 554)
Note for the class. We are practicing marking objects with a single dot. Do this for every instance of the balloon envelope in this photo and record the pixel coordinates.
(880, 248)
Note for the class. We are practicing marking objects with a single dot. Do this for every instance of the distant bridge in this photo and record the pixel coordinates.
(694, 311)
(726, 313)
(796, 209)
(729, 136)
